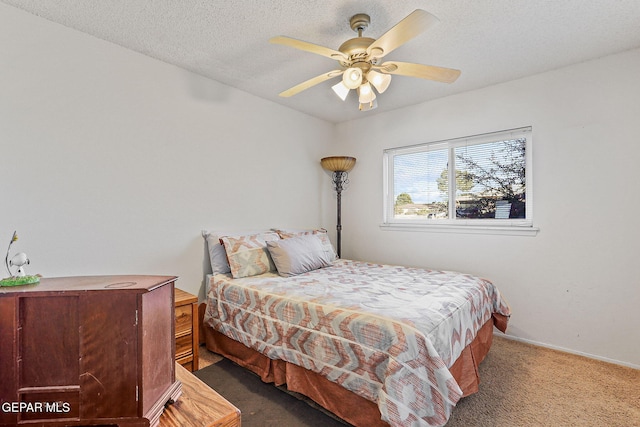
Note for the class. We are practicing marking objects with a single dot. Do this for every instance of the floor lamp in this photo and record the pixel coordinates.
(340, 166)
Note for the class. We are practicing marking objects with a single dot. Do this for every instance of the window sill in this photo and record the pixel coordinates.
(466, 229)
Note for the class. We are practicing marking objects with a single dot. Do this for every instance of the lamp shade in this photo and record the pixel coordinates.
(338, 163)
(366, 93)
(352, 78)
(379, 81)
(341, 90)
(368, 105)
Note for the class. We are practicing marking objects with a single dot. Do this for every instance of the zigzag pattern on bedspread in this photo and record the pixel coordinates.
(387, 333)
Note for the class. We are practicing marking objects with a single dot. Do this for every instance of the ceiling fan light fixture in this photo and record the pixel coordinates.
(341, 90)
(359, 58)
(352, 78)
(368, 105)
(366, 93)
(378, 80)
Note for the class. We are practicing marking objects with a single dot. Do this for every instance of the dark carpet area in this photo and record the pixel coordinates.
(262, 404)
(522, 385)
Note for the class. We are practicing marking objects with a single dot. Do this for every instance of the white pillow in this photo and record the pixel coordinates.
(217, 255)
(298, 255)
(287, 233)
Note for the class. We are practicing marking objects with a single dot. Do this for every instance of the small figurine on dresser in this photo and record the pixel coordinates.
(19, 260)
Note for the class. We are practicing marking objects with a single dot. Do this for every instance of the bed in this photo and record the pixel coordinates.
(375, 344)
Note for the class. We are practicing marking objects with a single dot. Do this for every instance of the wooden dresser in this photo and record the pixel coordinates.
(94, 350)
(186, 329)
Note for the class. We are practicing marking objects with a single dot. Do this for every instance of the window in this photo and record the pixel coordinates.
(478, 181)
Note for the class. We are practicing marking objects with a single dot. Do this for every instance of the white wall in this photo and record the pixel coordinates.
(112, 162)
(574, 285)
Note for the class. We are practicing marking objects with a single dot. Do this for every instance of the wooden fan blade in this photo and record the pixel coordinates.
(311, 82)
(429, 72)
(415, 23)
(309, 47)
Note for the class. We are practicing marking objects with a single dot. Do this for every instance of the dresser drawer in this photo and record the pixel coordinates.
(51, 405)
(184, 319)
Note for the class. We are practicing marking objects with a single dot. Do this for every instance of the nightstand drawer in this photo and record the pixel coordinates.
(186, 329)
(184, 346)
(184, 319)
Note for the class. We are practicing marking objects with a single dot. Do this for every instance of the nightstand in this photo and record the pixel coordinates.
(186, 329)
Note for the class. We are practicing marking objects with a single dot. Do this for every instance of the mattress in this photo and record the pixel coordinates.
(386, 333)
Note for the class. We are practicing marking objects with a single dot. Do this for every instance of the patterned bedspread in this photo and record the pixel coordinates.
(387, 333)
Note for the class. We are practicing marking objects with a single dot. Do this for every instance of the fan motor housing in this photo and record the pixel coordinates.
(356, 48)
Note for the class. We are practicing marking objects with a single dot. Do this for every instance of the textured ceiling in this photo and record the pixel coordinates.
(491, 41)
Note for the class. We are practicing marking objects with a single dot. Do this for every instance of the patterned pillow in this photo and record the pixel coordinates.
(217, 254)
(248, 255)
(320, 232)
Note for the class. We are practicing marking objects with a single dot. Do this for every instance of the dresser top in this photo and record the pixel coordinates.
(134, 283)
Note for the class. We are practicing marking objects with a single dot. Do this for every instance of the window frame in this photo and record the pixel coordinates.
(515, 226)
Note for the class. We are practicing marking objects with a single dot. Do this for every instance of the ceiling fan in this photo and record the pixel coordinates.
(359, 59)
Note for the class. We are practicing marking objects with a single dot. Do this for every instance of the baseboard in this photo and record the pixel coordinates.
(577, 353)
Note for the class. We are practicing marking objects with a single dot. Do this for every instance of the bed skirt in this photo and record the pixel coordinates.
(347, 405)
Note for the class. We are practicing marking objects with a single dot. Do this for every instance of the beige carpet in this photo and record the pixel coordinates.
(525, 385)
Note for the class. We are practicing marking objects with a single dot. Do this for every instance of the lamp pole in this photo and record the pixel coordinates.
(339, 166)
(339, 179)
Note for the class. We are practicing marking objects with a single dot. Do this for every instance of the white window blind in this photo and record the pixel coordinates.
(482, 180)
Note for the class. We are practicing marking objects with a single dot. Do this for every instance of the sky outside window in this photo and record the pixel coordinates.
(417, 173)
